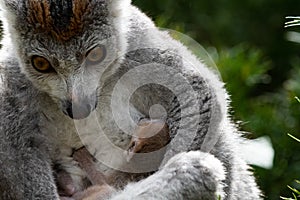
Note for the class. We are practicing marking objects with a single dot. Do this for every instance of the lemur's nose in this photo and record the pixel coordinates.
(77, 111)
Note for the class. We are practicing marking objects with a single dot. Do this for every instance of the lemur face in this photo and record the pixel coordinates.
(66, 46)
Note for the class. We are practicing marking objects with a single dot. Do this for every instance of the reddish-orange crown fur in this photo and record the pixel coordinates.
(62, 19)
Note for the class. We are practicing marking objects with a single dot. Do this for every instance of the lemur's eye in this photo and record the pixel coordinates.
(41, 64)
(96, 55)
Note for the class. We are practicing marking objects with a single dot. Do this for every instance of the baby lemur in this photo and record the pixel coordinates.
(77, 73)
(150, 135)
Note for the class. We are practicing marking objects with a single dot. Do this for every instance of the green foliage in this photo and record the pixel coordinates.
(244, 70)
(296, 192)
(260, 67)
(222, 23)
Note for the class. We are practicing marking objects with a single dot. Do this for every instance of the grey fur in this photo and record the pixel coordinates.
(35, 133)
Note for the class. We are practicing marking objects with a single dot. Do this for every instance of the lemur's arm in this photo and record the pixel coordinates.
(25, 169)
(187, 172)
(187, 175)
(25, 166)
(192, 175)
(26, 174)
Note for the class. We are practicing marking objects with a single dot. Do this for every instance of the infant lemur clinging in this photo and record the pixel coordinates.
(83, 73)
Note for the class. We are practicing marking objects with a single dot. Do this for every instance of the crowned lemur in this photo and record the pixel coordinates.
(83, 73)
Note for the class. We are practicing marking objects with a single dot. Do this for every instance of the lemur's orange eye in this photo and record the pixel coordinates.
(96, 55)
(41, 64)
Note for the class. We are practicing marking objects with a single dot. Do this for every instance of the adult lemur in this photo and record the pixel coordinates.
(84, 72)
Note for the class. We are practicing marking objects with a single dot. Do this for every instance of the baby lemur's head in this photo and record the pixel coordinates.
(65, 46)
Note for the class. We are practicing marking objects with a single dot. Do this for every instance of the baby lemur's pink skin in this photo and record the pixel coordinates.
(150, 135)
(99, 189)
(86, 162)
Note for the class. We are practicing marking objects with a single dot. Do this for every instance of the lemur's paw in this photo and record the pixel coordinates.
(199, 165)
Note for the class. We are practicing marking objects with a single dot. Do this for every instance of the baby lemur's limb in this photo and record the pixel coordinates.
(86, 162)
(64, 182)
(99, 189)
(150, 135)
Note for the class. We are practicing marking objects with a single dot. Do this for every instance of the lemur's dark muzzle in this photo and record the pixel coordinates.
(79, 110)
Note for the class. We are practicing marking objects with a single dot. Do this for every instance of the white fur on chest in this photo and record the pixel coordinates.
(105, 141)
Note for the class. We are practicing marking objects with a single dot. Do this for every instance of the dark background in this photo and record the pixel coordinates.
(260, 66)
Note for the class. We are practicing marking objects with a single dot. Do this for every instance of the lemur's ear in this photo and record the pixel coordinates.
(9, 9)
(11, 5)
(119, 1)
(116, 5)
